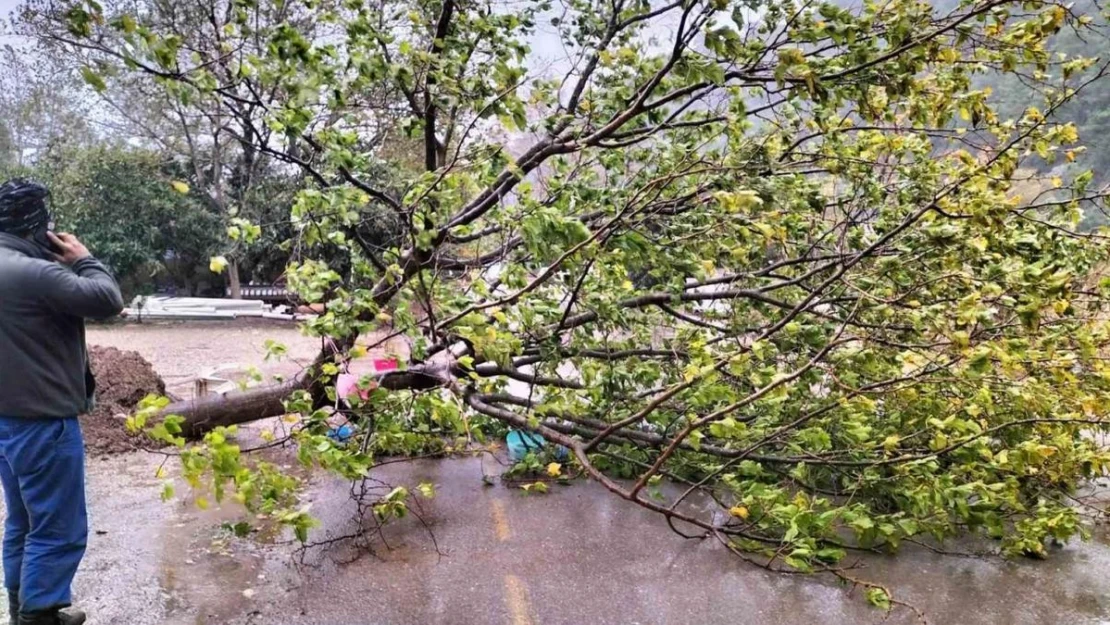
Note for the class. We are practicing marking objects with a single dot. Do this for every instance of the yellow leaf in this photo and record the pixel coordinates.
(912, 362)
(267, 435)
(217, 264)
(690, 372)
(160, 473)
(202, 503)
(554, 469)
(979, 243)
(180, 187)
(767, 231)
(961, 338)
(739, 512)
(358, 351)
(1070, 155)
(791, 56)
(1057, 182)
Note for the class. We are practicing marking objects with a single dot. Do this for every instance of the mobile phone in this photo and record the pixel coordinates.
(41, 237)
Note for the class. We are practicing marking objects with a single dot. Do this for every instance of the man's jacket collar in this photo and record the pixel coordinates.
(21, 246)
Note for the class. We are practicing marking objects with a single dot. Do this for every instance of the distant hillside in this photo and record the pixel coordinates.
(1091, 111)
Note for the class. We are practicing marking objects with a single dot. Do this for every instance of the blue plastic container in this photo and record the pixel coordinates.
(342, 433)
(521, 443)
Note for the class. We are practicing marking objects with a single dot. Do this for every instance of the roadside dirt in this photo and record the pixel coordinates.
(124, 378)
(121, 357)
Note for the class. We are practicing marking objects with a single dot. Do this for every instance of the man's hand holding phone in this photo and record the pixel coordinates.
(68, 249)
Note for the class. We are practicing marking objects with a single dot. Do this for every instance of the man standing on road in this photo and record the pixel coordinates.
(49, 285)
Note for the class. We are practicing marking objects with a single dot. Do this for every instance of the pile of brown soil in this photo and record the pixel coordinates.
(123, 379)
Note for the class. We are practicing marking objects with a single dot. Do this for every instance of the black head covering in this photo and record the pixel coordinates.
(23, 207)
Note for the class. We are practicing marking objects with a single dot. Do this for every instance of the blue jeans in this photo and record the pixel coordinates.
(42, 468)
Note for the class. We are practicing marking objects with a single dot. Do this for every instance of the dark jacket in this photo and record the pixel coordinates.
(43, 306)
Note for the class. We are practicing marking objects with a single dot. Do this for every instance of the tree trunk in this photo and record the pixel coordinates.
(233, 280)
(204, 414)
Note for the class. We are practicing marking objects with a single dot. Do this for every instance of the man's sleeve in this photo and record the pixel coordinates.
(86, 290)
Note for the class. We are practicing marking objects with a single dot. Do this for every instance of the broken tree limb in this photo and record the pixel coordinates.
(204, 414)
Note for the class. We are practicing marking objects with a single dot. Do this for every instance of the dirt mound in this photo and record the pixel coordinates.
(123, 379)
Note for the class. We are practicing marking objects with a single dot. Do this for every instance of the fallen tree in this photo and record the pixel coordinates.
(783, 253)
(204, 414)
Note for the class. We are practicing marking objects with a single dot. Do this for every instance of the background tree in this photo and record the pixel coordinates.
(225, 144)
(856, 332)
(40, 108)
(121, 202)
(1013, 91)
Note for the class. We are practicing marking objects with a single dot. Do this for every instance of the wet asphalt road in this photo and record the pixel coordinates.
(575, 556)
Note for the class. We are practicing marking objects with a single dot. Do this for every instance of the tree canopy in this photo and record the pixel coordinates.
(785, 255)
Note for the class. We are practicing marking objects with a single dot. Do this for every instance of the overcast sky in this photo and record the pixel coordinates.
(6, 7)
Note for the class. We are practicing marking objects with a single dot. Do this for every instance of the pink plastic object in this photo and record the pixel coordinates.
(347, 385)
(385, 364)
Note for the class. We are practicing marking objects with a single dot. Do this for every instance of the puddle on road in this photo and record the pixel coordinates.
(581, 556)
(208, 575)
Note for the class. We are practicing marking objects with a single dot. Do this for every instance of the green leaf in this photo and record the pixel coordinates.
(878, 598)
(93, 79)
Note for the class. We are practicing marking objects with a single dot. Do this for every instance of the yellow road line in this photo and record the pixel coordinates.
(500, 521)
(516, 593)
(516, 598)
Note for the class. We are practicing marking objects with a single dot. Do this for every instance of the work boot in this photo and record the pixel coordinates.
(52, 617)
